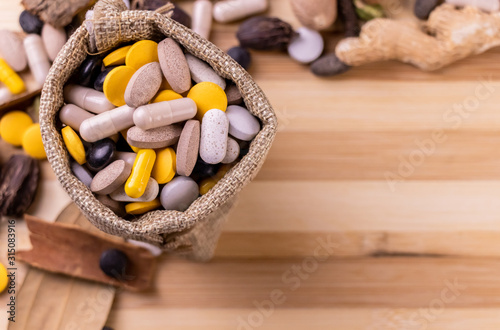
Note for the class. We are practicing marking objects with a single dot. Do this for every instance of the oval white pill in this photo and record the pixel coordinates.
(213, 140)
(233, 151)
(242, 124)
(179, 193)
(307, 46)
(201, 71)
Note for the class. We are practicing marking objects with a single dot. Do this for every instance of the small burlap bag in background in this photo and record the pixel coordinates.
(193, 233)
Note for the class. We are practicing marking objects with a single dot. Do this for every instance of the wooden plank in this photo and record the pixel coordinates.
(360, 244)
(301, 318)
(398, 282)
(330, 206)
(465, 155)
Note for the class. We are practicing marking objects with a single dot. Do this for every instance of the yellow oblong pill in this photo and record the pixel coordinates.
(116, 57)
(207, 96)
(116, 83)
(4, 280)
(166, 95)
(142, 53)
(142, 207)
(32, 142)
(10, 78)
(74, 145)
(13, 126)
(207, 184)
(164, 168)
(141, 172)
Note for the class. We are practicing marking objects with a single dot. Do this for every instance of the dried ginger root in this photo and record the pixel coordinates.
(452, 34)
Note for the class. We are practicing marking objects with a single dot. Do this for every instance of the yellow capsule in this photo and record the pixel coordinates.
(10, 78)
(32, 142)
(207, 184)
(142, 53)
(13, 126)
(142, 207)
(141, 172)
(124, 135)
(116, 57)
(115, 84)
(164, 169)
(74, 145)
(166, 95)
(4, 280)
(207, 96)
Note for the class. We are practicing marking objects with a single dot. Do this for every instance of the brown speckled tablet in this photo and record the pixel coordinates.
(174, 65)
(233, 95)
(115, 206)
(143, 85)
(187, 148)
(111, 177)
(155, 138)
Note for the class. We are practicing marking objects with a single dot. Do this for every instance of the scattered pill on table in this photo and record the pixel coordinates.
(4, 280)
(241, 55)
(12, 50)
(201, 22)
(32, 142)
(53, 39)
(30, 23)
(307, 46)
(37, 57)
(231, 10)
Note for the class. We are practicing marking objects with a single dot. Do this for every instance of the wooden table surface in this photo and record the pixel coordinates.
(392, 173)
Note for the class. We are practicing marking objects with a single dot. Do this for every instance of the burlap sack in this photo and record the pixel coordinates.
(193, 233)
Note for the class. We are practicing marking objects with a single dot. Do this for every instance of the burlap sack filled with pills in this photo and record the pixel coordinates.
(193, 233)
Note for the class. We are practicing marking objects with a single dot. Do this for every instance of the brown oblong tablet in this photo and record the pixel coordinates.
(174, 65)
(143, 85)
(155, 138)
(111, 177)
(187, 148)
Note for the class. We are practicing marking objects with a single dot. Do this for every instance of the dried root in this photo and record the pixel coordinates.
(449, 35)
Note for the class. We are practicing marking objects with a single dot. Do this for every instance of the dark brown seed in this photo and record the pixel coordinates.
(18, 184)
(328, 65)
(347, 13)
(181, 16)
(265, 33)
(423, 8)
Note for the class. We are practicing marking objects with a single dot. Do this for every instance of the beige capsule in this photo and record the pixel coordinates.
(87, 98)
(107, 123)
(38, 60)
(231, 10)
(164, 113)
(73, 116)
(202, 18)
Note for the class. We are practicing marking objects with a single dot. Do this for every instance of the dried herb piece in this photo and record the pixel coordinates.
(329, 65)
(368, 12)
(18, 184)
(58, 13)
(265, 33)
(347, 12)
(423, 8)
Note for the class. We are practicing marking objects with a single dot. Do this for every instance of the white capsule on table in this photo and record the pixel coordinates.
(155, 251)
(202, 18)
(53, 39)
(107, 123)
(73, 116)
(5, 95)
(38, 60)
(307, 46)
(201, 71)
(164, 113)
(151, 192)
(486, 5)
(213, 139)
(232, 10)
(87, 98)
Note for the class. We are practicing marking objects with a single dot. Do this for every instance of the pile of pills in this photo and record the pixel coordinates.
(150, 127)
(35, 51)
